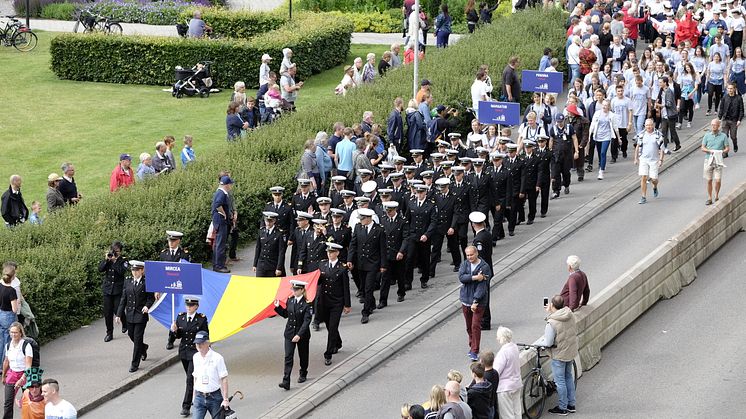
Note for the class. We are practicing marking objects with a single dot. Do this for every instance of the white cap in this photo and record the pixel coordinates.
(369, 186)
(136, 264)
(443, 181)
(365, 212)
(266, 57)
(477, 217)
(391, 204)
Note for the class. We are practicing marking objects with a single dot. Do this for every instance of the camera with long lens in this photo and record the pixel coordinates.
(110, 255)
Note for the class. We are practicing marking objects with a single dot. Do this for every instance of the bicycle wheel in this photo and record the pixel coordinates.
(114, 29)
(25, 41)
(575, 374)
(534, 395)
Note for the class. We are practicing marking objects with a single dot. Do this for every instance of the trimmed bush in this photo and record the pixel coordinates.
(319, 41)
(58, 260)
(374, 22)
(60, 11)
(151, 13)
(239, 23)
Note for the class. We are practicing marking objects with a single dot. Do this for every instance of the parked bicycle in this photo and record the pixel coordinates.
(16, 34)
(536, 387)
(94, 22)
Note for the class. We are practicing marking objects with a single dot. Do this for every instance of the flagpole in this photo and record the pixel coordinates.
(415, 85)
(173, 308)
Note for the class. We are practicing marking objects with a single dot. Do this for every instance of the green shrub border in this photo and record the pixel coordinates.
(58, 260)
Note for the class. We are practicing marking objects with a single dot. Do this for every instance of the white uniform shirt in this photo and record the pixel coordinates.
(17, 357)
(208, 371)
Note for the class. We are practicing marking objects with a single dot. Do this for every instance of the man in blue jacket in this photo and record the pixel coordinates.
(395, 124)
(474, 274)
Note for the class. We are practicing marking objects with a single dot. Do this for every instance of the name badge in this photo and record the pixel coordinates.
(205, 380)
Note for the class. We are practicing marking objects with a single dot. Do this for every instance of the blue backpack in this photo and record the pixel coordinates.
(433, 134)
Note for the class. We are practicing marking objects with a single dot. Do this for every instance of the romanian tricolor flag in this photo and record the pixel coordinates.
(233, 302)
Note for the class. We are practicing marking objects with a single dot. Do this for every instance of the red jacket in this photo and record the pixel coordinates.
(632, 22)
(686, 30)
(120, 178)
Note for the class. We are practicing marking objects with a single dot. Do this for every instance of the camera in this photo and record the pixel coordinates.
(546, 301)
(110, 255)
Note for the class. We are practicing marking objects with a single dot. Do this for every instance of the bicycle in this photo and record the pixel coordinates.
(17, 35)
(536, 387)
(93, 22)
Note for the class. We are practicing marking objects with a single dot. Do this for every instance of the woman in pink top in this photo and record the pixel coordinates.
(508, 366)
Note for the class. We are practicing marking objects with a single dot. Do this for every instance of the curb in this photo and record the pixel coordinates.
(379, 350)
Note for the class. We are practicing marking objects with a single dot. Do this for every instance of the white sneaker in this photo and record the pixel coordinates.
(678, 126)
(688, 124)
(600, 174)
(696, 106)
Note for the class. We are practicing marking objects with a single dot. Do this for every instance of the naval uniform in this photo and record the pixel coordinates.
(305, 203)
(311, 251)
(285, 217)
(186, 328)
(397, 232)
(531, 173)
(465, 204)
(114, 272)
(516, 213)
(334, 296)
(269, 255)
(367, 253)
(422, 221)
(299, 313)
(297, 239)
(544, 178)
(134, 298)
(174, 255)
(501, 192)
(444, 220)
(483, 242)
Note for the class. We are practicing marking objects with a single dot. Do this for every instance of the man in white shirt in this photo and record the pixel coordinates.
(649, 153)
(56, 407)
(210, 379)
(479, 90)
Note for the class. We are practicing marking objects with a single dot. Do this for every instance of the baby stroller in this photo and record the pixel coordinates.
(198, 80)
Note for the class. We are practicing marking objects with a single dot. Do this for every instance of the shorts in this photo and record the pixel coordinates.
(712, 172)
(648, 168)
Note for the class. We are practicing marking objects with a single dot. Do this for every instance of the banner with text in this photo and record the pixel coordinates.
(541, 81)
(502, 113)
(173, 277)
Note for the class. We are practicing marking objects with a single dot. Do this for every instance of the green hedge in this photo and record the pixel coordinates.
(58, 260)
(374, 22)
(240, 24)
(319, 42)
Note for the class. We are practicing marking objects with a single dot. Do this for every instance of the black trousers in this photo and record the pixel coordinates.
(188, 370)
(302, 345)
(221, 240)
(368, 280)
(136, 333)
(436, 241)
(560, 169)
(498, 232)
(616, 147)
(531, 196)
(330, 315)
(580, 163)
(669, 125)
(233, 243)
(516, 212)
(111, 304)
(461, 237)
(10, 393)
(544, 194)
(487, 316)
(393, 275)
(419, 257)
(268, 273)
(591, 148)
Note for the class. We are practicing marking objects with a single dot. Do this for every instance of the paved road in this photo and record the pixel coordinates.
(700, 330)
(608, 245)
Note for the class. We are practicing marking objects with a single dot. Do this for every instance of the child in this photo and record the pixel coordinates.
(187, 153)
(273, 98)
(34, 218)
(250, 113)
(264, 70)
(487, 359)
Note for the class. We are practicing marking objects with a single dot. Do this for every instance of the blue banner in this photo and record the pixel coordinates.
(501, 113)
(173, 277)
(541, 81)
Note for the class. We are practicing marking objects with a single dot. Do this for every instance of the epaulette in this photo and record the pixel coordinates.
(200, 315)
(182, 313)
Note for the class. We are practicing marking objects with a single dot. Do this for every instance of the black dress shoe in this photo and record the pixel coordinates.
(316, 327)
(124, 329)
(222, 270)
(302, 379)
(336, 350)
(543, 216)
(133, 369)
(364, 320)
(399, 299)
(677, 148)
(169, 346)
(108, 338)
(529, 222)
(455, 269)
(423, 285)
(327, 361)
(408, 287)
(510, 233)
(285, 385)
(185, 412)
(381, 305)
(145, 353)
(487, 327)
(362, 300)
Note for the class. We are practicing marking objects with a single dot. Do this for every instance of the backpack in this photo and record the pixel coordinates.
(36, 358)
(433, 134)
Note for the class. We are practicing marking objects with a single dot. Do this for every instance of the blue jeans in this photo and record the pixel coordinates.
(639, 123)
(211, 403)
(6, 319)
(602, 147)
(574, 70)
(562, 372)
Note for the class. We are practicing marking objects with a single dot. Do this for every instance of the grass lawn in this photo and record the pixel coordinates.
(48, 121)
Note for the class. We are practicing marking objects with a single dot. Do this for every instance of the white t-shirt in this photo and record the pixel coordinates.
(208, 371)
(15, 355)
(478, 93)
(650, 143)
(640, 96)
(63, 410)
(621, 108)
(737, 24)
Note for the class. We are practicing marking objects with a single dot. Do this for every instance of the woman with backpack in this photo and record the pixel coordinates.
(442, 27)
(19, 355)
(9, 304)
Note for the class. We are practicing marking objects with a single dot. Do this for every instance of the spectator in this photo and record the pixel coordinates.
(357, 71)
(56, 407)
(416, 27)
(122, 175)
(367, 124)
(145, 170)
(561, 338)
(289, 86)
(480, 398)
(35, 217)
(14, 210)
(395, 57)
(323, 160)
(442, 27)
(187, 153)
(249, 113)
(545, 59)
(437, 400)
(343, 155)
(472, 17)
(587, 57)
(170, 143)
(18, 357)
(487, 360)
(455, 375)
(508, 367)
(309, 167)
(264, 70)
(454, 407)
(425, 107)
(485, 12)
(32, 401)
(369, 69)
(573, 57)
(416, 412)
(576, 290)
(347, 83)
(405, 411)
(161, 163)
(55, 200)
(210, 379)
(511, 83)
(263, 90)
(474, 274)
(233, 122)
(479, 90)
(416, 128)
(197, 26)
(68, 188)
(361, 158)
(239, 92)
(385, 63)
(336, 137)
(715, 146)
(9, 304)
(222, 221)
(409, 54)
(425, 87)
(287, 56)
(553, 65)
(395, 125)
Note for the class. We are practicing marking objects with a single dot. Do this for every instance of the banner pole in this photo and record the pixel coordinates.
(173, 308)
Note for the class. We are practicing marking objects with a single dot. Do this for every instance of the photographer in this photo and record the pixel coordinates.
(114, 267)
(445, 120)
(561, 337)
